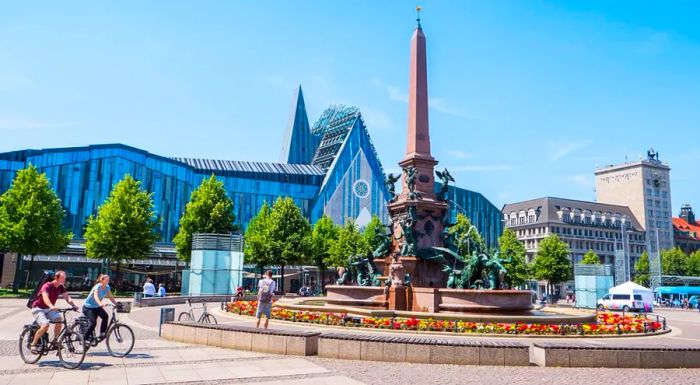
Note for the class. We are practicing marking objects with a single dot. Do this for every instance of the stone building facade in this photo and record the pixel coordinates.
(611, 231)
(686, 230)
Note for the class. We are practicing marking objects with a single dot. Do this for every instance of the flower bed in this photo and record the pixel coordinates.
(606, 323)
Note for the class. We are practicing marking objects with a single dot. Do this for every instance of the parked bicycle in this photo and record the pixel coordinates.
(119, 336)
(206, 317)
(70, 346)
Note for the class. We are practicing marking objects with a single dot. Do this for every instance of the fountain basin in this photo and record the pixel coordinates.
(435, 300)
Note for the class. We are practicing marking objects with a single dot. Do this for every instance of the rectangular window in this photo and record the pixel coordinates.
(637, 297)
(621, 296)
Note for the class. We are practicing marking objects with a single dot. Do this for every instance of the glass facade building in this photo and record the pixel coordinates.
(329, 168)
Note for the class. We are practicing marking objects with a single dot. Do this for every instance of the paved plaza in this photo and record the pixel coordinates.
(157, 361)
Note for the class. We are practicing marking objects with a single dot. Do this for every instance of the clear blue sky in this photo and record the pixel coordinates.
(527, 97)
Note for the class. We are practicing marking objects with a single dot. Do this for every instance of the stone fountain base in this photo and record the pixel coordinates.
(432, 300)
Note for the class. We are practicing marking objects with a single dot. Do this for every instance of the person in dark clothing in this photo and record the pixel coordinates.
(93, 307)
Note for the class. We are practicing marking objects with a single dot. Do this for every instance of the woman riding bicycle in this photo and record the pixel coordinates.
(93, 308)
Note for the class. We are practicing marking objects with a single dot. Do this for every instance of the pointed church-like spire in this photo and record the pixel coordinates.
(299, 143)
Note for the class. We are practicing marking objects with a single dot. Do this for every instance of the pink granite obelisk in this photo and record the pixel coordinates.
(417, 204)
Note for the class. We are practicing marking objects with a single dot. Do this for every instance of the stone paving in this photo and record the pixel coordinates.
(153, 361)
(159, 361)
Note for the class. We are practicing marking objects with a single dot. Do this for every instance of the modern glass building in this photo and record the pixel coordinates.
(329, 168)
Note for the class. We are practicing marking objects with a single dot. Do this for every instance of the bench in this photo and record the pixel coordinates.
(630, 355)
(367, 347)
(300, 343)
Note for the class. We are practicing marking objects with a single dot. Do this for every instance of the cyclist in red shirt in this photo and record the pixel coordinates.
(44, 308)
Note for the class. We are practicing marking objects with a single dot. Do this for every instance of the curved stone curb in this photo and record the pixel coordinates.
(441, 333)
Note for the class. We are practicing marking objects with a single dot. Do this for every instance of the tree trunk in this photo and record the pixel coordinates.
(282, 280)
(29, 271)
(323, 279)
(117, 277)
(18, 271)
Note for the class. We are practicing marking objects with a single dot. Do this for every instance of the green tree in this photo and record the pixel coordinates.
(674, 262)
(694, 263)
(466, 235)
(641, 270)
(210, 210)
(289, 235)
(125, 227)
(324, 234)
(31, 218)
(350, 243)
(552, 261)
(256, 247)
(512, 249)
(590, 258)
(373, 226)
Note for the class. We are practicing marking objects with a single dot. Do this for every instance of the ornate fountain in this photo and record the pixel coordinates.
(417, 266)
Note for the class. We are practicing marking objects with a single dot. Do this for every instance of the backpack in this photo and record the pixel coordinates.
(46, 277)
(265, 294)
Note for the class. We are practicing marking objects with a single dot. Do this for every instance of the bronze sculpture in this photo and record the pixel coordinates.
(445, 179)
(411, 174)
(390, 183)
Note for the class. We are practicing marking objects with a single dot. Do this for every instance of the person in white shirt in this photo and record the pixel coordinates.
(266, 288)
(149, 290)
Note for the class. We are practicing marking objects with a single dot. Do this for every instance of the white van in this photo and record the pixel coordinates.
(627, 297)
(624, 302)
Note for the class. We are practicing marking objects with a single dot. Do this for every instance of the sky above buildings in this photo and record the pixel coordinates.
(527, 98)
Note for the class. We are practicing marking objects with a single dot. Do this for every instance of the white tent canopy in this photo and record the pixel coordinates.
(628, 287)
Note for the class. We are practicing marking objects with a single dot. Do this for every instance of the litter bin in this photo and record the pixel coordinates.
(167, 314)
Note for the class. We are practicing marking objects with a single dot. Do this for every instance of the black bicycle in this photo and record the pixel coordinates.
(206, 317)
(70, 346)
(120, 337)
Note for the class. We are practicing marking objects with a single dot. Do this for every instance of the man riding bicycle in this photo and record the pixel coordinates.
(93, 308)
(45, 311)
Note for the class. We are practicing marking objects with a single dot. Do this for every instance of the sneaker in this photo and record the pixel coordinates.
(35, 349)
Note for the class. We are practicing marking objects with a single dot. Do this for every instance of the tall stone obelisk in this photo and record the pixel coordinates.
(416, 214)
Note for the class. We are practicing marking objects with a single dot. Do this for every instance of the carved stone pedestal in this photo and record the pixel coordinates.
(397, 298)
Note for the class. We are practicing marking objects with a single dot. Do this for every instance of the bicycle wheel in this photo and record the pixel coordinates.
(185, 316)
(209, 319)
(120, 340)
(71, 349)
(25, 351)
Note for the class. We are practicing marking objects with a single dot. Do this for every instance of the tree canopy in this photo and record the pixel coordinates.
(374, 227)
(210, 210)
(125, 226)
(512, 249)
(31, 216)
(590, 258)
(350, 242)
(674, 262)
(289, 233)
(256, 246)
(466, 235)
(641, 270)
(324, 234)
(694, 263)
(551, 261)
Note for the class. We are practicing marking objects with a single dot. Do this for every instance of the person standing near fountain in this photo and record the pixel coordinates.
(266, 288)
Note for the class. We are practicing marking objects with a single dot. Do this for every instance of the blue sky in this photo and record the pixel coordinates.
(527, 97)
